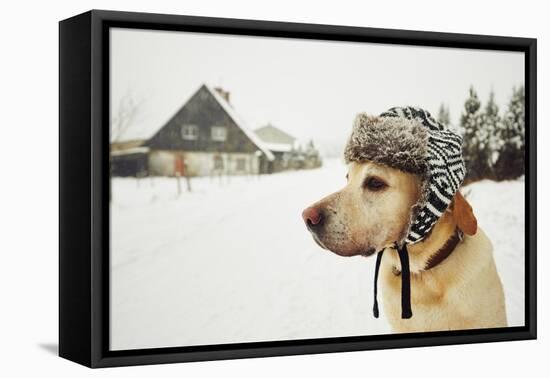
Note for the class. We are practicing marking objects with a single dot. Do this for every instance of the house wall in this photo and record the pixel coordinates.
(164, 163)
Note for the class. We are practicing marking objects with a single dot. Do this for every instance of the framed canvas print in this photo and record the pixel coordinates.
(234, 188)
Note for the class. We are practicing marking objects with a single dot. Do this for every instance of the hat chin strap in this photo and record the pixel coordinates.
(406, 311)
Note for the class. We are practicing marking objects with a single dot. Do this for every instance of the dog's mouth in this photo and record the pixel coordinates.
(318, 241)
(365, 253)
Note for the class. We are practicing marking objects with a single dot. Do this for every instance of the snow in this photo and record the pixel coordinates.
(500, 210)
(129, 151)
(278, 147)
(232, 261)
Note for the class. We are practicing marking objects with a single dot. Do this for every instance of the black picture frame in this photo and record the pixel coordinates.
(84, 187)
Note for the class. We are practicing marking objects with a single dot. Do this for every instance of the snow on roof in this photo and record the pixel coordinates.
(240, 123)
(130, 151)
(278, 147)
(272, 134)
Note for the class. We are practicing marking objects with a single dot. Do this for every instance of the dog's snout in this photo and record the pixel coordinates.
(312, 216)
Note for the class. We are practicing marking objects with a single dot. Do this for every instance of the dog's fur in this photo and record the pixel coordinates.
(462, 292)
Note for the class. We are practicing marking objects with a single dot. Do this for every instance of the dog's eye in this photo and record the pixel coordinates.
(374, 184)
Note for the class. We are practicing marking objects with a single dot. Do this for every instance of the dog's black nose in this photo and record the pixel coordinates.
(312, 216)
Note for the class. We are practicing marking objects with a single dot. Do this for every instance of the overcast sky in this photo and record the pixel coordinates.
(312, 89)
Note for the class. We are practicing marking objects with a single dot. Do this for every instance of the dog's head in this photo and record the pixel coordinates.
(374, 210)
(403, 168)
(370, 213)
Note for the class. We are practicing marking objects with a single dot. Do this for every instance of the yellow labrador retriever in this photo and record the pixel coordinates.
(454, 281)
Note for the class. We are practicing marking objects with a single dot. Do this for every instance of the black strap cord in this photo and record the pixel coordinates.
(376, 269)
(406, 311)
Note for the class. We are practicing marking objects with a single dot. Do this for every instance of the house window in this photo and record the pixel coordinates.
(189, 132)
(219, 133)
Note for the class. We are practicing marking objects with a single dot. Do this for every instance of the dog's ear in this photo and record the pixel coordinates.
(463, 215)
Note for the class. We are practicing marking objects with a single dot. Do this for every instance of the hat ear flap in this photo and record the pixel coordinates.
(463, 215)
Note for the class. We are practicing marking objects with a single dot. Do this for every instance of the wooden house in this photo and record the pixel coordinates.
(207, 137)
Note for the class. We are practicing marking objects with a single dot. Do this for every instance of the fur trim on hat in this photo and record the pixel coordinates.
(399, 143)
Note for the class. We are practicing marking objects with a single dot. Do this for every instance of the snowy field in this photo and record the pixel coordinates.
(232, 261)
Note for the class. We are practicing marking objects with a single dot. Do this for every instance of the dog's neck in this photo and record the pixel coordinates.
(421, 253)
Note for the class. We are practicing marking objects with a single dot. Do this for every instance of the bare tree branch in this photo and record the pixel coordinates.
(124, 116)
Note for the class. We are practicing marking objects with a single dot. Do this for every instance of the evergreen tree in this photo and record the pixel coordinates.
(475, 144)
(444, 115)
(510, 163)
(492, 124)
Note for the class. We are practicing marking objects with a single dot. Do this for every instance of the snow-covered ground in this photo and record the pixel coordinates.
(232, 261)
(500, 211)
